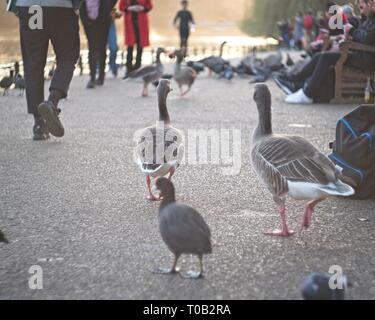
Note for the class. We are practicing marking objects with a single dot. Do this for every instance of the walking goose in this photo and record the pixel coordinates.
(183, 230)
(160, 148)
(216, 63)
(290, 165)
(6, 82)
(20, 84)
(183, 75)
(149, 74)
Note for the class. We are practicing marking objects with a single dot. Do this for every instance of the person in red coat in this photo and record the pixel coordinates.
(136, 29)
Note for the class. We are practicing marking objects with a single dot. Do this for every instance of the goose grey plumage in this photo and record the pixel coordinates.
(183, 75)
(182, 228)
(216, 63)
(290, 165)
(20, 84)
(149, 74)
(159, 148)
(6, 82)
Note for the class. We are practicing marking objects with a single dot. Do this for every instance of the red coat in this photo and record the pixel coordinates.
(130, 39)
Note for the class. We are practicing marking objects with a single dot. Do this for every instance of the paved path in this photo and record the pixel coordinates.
(76, 206)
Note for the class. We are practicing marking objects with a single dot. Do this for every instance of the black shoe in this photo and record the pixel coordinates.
(285, 84)
(91, 84)
(40, 130)
(50, 114)
(99, 82)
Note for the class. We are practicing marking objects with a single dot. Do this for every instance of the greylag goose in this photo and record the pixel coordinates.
(183, 230)
(2, 238)
(160, 148)
(183, 75)
(20, 84)
(6, 82)
(215, 63)
(290, 165)
(148, 74)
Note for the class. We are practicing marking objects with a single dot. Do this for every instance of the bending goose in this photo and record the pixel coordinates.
(183, 230)
(148, 74)
(6, 82)
(290, 165)
(215, 63)
(183, 75)
(160, 148)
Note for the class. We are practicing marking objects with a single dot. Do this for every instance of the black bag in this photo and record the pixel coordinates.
(354, 150)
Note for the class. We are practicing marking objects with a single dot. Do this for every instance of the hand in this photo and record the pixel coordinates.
(347, 29)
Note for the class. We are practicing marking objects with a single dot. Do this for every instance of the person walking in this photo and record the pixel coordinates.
(60, 26)
(96, 19)
(136, 29)
(183, 21)
(112, 43)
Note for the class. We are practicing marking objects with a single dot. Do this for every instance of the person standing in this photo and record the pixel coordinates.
(96, 19)
(185, 20)
(298, 31)
(112, 43)
(136, 29)
(60, 26)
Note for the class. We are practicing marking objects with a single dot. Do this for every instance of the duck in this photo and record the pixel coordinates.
(20, 84)
(147, 147)
(183, 75)
(291, 165)
(6, 82)
(182, 229)
(3, 238)
(215, 64)
(148, 74)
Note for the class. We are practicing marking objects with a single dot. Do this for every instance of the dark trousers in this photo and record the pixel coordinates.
(316, 72)
(97, 37)
(129, 58)
(60, 26)
(184, 37)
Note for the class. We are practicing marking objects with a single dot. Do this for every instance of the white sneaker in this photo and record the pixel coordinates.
(298, 97)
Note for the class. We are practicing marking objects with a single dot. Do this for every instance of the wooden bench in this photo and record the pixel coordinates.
(350, 83)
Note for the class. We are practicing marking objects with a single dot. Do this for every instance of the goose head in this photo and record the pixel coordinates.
(262, 98)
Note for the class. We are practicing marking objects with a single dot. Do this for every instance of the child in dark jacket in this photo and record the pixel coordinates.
(186, 20)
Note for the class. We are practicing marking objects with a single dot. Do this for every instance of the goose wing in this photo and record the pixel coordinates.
(142, 72)
(296, 159)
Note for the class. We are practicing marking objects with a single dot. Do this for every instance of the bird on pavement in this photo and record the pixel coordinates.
(6, 82)
(159, 148)
(183, 230)
(20, 84)
(148, 74)
(291, 165)
(183, 75)
(317, 287)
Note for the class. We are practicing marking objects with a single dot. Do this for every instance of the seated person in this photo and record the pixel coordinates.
(306, 85)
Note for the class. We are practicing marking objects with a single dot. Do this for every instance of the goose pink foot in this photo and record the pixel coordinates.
(284, 232)
(307, 216)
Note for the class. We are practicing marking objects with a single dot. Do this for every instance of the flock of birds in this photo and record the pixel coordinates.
(287, 165)
(186, 74)
(14, 78)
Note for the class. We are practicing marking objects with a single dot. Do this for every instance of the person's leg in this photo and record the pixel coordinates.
(129, 60)
(138, 61)
(307, 71)
(103, 38)
(91, 32)
(113, 48)
(34, 48)
(63, 30)
(326, 60)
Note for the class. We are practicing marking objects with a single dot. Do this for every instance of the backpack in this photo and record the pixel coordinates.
(354, 150)
(308, 22)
